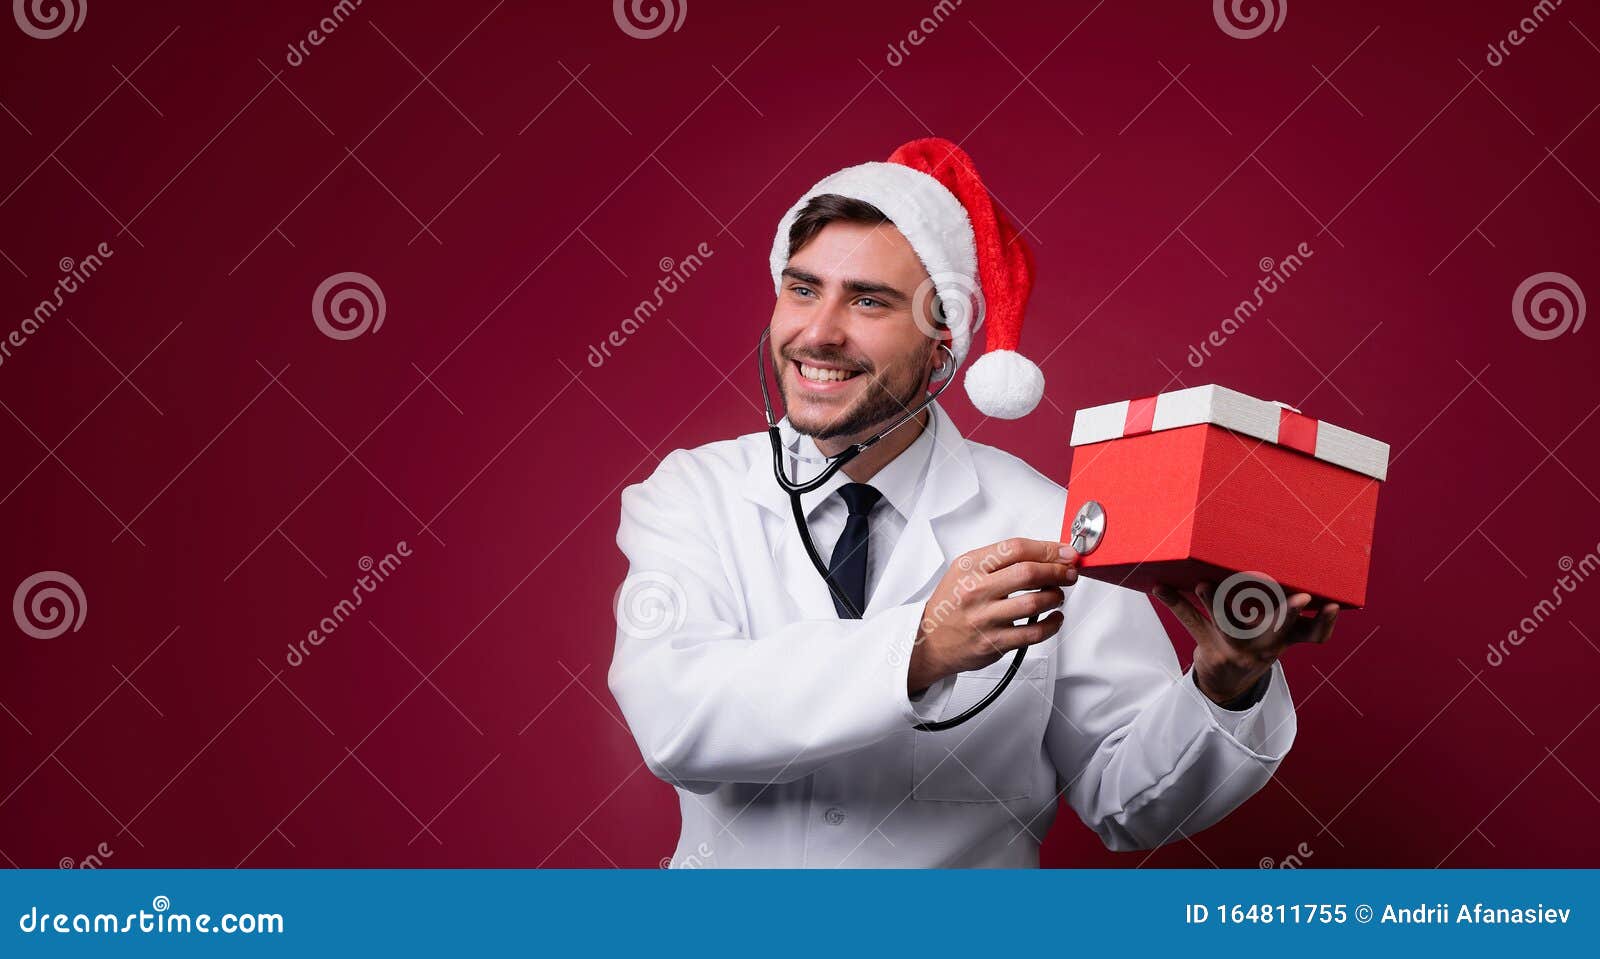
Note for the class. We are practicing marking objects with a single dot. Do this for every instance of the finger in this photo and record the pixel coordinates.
(1023, 605)
(1013, 637)
(1293, 624)
(1018, 550)
(1317, 630)
(987, 560)
(1186, 612)
(1030, 575)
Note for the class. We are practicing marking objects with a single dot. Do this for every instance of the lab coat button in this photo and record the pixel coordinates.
(834, 816)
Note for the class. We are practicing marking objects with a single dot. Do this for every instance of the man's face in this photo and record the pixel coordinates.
(849, 355)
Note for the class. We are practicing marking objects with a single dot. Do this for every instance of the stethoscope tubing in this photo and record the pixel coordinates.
(795, 489)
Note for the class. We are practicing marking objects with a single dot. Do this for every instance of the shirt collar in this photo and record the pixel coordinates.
(900, 480)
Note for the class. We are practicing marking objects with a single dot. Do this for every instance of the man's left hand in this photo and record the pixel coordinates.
(1230, 656)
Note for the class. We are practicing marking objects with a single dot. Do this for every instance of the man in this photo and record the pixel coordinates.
(784, 709)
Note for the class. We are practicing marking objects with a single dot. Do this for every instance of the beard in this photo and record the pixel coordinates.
(886, 395)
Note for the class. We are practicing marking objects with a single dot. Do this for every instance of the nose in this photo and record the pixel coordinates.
(826, 326)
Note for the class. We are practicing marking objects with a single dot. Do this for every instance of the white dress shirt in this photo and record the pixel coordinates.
(900, 481)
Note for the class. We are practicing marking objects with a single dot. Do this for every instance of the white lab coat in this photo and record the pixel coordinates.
(788, 732)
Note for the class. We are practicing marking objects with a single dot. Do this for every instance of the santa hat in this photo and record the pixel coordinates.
(981, 267)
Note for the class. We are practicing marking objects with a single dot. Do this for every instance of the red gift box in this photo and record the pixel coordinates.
(1199, 484)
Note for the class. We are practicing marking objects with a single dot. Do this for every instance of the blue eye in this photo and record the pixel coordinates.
(869, 302)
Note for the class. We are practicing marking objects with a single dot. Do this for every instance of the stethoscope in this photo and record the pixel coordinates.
(833, 464)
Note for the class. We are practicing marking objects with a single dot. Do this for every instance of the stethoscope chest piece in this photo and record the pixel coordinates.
(1088, 527)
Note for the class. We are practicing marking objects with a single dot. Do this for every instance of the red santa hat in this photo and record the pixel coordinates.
(981, 267)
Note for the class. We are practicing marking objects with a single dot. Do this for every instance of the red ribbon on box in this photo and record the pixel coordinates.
(1297, 431)
(1141, 416)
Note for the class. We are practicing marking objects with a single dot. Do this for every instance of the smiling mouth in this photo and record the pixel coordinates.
(823, 374)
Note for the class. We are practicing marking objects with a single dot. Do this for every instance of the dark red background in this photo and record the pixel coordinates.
(552, 201)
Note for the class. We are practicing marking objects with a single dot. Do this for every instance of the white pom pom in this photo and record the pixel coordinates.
(1004, 384)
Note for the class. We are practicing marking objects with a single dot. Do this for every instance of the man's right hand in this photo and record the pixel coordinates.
(967, 622)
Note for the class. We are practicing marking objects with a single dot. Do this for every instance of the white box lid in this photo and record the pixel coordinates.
(1274, 422)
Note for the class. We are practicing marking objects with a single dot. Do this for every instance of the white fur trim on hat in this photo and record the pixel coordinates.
(1004, 384)
(930, 217)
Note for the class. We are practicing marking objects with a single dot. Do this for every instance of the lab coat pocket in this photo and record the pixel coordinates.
(993, 757)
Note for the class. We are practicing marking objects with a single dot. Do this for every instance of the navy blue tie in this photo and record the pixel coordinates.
(847, 564)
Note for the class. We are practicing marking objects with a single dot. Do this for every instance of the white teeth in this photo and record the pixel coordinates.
(819, 375)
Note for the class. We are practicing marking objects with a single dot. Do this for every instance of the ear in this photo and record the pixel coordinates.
(939, 357)
(935, 372)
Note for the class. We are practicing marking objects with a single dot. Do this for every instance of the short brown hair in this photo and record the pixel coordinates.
(827, 208)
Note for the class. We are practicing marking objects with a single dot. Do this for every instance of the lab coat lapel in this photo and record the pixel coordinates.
(794, 568)
(918, 557)
(798, 575)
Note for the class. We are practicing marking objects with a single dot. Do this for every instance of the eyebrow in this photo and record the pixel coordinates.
(883, 290)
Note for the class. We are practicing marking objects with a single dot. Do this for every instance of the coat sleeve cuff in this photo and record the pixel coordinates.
(928, 706)
(1265, 728)
(901, 628)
